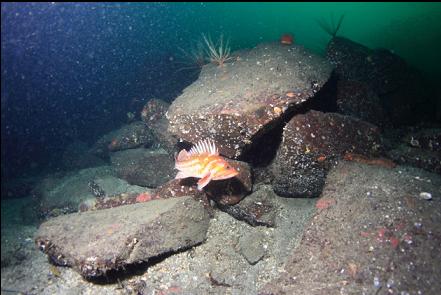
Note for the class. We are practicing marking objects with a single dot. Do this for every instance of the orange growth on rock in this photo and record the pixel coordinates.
(394, 242)
(277, 111)
(144, 197)
(365, 234)
(113, 144)
(324, 203)
(287, 39)
(321, 158)
(386, 163)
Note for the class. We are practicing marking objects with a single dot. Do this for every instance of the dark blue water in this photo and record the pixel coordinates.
(73, 71)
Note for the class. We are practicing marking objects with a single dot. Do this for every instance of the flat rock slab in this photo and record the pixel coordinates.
(374, 232)
(419, 148)
(96, 242)
(417, 157)
(58, 195)
(235, 103)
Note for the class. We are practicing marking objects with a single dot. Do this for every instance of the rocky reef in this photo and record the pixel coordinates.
(324, 200)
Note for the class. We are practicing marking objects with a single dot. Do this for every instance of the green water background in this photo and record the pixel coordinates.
(412, 30)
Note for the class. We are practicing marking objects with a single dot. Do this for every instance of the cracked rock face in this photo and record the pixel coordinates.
(244, 99)
(123, 235)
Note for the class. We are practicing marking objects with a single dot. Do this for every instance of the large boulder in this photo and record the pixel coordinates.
(375, 231)
(238, 102)
(379, 78)
(97, 242)
(77, 155)
(62, 194)
(312, 143)
(129, 136)
(419, 148)
(259, 208)
(144, 167)
(357, 99)
(381, 69)
(153, 115)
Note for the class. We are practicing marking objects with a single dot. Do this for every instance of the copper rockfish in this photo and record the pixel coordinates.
(203, 161)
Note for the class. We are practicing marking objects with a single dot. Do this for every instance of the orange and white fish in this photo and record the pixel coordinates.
(203, 161)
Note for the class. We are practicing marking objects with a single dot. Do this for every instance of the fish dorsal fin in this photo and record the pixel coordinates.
(182, 156)
(206, 146)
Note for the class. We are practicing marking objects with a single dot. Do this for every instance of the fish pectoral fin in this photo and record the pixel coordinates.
(204, 181)
(182, 156)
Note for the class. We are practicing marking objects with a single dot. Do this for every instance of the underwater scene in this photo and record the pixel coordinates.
(220, 148)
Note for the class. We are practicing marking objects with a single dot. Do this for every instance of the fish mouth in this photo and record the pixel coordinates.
(229, 175)
(226, 176)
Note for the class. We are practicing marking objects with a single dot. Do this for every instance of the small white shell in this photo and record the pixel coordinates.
(426, 196)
